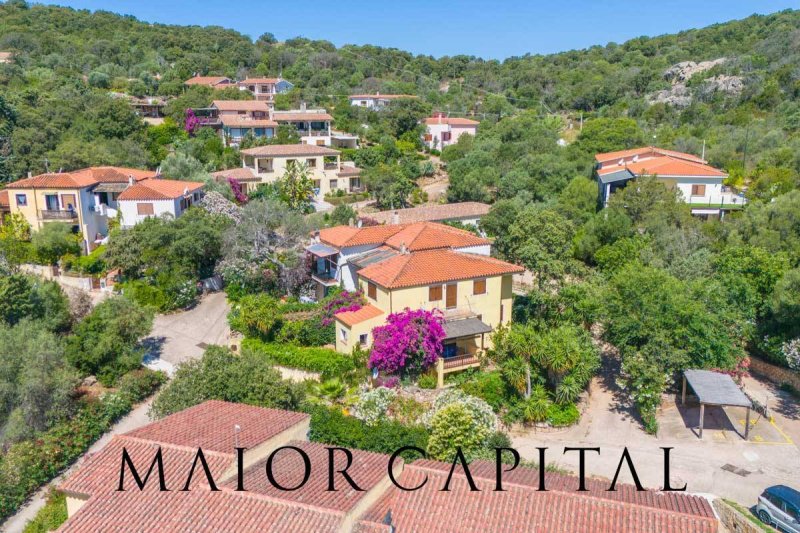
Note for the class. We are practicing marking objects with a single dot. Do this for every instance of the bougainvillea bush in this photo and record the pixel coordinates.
(339, 303)
(409, 342)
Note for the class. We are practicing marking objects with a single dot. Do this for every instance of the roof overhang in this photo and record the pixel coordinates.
(321, 250)
(465, 327)
(713, 388)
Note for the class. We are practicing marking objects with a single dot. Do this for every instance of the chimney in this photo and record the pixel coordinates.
(350, 222)
(29, 174)
(359, 223)
(302, 106)
(131, 181)
(395, 218)
(403, 249)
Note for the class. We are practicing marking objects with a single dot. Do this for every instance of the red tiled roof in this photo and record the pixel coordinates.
(210, 425)
(434, 266)
(4, 201)
(351, 318)
(432, 213)
(663, 166)
(285, 150)
(244, 122)
(452, 121)
(259, 80)
(208, 80)
(416, 236)
(650, 151)
(367, 470)
(241, 105)
(299, 116)
(82, 178)
(239, 174)
(522, 508)
(99, 474)
(159, 189)
(198, 511)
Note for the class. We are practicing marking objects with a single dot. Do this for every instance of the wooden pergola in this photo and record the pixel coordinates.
(713, 388)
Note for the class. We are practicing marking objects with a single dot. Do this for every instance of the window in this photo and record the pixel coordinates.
(446, 136)
(364, 103)
(428, 137)
(145, 209)
(698, 190)
(362, 339)
(479, 286)
(334, 184)
(451, 296)
(435, 293)
(343, 334)
(311, 162)
(22, 200)
(372, 290)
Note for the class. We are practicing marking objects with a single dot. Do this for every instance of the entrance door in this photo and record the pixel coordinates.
(452, 296)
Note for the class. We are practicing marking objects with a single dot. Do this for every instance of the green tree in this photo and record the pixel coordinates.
(541, 239)
(55, 240)
(297, 189)
(222, 375)
(105, 342)
(610, 134)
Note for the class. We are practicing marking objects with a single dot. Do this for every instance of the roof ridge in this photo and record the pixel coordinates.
(173, 446)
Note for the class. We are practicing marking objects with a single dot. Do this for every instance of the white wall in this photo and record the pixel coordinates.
(131, 217)
(436, 130)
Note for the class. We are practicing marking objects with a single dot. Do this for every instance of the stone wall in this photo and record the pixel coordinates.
(775, 373)
(734, 521)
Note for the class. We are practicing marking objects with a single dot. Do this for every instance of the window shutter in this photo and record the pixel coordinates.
(145, 209)
(435, 293)
(479, 286)
(372, 291)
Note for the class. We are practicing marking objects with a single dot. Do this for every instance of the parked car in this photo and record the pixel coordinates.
(780, 506)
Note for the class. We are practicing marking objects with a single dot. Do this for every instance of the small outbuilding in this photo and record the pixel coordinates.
(713, 388)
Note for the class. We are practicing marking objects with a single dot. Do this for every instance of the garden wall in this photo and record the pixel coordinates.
(774, 373)
(733, 520)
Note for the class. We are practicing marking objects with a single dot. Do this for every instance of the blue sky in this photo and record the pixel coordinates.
(490, 29)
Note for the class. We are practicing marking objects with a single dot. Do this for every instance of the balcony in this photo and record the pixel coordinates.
(313, 133)
(58, 214)
(325, 277)
(331, 166)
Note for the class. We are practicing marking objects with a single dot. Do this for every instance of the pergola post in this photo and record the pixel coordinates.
(683, 394)
(747, 424)
(702, 413)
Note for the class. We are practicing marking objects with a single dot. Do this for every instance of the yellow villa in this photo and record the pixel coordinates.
(419, 266)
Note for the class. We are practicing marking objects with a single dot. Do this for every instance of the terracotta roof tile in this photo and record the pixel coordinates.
(159, 189)
(649, 151)
(416, 236)
(208, 80)
(285, 150)
(663, 166)
(210, 425)
(452, 121)
(82, 178)
(367, 470)
(351, 318)
(241, 105)
(522, 508)
(245, 122)
(240, 174)
(280, 116)
(347, 170)
(248, 81)
(432, 213)
(434, 266)
(198, 511)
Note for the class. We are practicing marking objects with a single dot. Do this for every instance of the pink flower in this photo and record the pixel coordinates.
(410, 341)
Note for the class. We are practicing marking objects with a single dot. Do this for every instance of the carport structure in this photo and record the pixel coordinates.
(713, 388)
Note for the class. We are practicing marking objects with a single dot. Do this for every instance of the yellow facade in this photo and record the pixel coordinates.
(493, 308)
(324, 175)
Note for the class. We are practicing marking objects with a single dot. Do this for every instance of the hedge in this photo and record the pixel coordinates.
(327, 362)
(29, 464)
(332, 426)
(51, 516)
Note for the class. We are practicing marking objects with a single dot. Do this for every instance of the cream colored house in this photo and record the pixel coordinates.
(422, 265)
(325, 168)
(85, 198)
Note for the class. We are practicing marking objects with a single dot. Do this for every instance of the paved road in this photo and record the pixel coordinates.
(609, 424)
(175, 337)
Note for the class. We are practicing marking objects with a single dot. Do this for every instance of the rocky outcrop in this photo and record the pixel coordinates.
(679, 95)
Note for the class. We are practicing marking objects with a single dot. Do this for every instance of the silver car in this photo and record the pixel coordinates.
(780, 506)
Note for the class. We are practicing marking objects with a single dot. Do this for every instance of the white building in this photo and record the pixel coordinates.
(441, 131)
(265, 89)
(325, 168)
(155, 197)
(700, 185)
(313, 125)
(376, 101)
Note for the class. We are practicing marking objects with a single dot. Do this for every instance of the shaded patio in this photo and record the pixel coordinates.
(715, 390)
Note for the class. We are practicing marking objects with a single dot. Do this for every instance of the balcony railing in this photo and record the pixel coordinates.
(313, 133)
(58, 214)
(331, 166)
(464, 359)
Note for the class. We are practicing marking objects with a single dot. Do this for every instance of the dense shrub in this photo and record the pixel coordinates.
(331, 426)
(168, 291)
(409, 342)
(427, 381)
(93, 263)
(488, 386)
(222, 375)
(27, 465)
(563, 415)
(51, 516)
(329, 363)
(137, 385)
